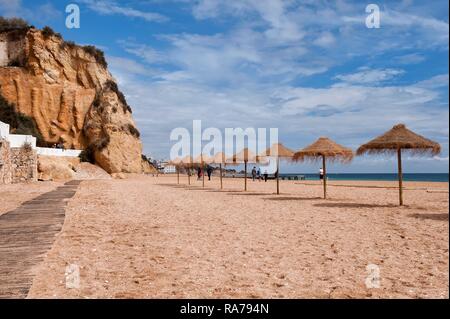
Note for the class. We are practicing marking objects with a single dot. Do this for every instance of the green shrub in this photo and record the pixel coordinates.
(87, 155)
(97, 54)
(133, 131)
(111, 85)
(26, 147)
(10, 24)
(68, 44)
(48, 32)
(19, 122)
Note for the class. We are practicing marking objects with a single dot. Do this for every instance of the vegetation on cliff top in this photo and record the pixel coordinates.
(19, 122)
(98, 54)
(14, 24)
(11, 24)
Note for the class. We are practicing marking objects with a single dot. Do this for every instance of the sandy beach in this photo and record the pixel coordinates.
(147, 237)
(11, 196)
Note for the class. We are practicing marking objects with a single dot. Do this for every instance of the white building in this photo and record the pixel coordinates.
(18, 140)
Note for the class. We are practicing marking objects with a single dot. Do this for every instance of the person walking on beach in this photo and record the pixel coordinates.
(254, 173)
(321, 174)
(265, 176)
(258, 174)
(209, 170)
(199, 173)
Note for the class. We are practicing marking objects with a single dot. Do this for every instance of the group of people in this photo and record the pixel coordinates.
(256, 174)
(209, 171)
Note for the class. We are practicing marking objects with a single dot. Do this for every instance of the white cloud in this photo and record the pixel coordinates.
(147, 53)
(130, 66)
(10, 8)
(437, 81)
(282, 27)
(109, 7)
(413, 58)
(372, 76)
(42, 13)
(326, 39)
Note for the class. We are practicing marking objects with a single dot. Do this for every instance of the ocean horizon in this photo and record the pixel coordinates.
(410, 177)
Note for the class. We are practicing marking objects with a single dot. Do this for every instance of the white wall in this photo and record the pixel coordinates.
(4, 130)
(57, 152)
(169, 169)
(17, 140)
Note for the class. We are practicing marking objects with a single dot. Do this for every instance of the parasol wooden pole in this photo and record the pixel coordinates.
(189, 176)
(324, 177)
(221, 185)
(203, 173)
(400, 176)
(245, 176)
(178, 175)
(278, 175)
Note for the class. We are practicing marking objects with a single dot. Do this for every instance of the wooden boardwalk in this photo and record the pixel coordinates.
(26, 234)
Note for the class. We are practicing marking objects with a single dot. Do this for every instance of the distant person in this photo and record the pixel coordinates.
(266, 175)
(258, 174)
(321, 174)
(209, 170)
(199, 173)
(254, 173)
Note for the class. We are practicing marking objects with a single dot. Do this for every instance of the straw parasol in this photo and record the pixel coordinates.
(176, 162)
(187, 162)
(219, 158)
(327, 150)
(245, 156)
(278, 150)
(394, 141)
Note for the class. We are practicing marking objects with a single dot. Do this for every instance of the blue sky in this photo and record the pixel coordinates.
(310, 68)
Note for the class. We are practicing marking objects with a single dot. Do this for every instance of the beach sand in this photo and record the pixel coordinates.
(12, 195)
(147, 237)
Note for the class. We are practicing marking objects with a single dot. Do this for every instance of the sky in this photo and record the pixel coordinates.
(310, 68)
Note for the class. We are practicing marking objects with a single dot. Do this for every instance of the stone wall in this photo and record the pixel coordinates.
(24, 165)
(5, 162)
(17, 165)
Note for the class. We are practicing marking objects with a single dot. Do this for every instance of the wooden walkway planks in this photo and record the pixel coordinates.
(26, 234)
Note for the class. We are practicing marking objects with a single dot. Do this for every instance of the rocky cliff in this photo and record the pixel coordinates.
(69, 92)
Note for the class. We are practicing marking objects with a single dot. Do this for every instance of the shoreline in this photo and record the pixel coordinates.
(238, 176)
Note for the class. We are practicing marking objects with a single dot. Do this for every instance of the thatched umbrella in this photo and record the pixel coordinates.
(245, 156)
(187, 162)
(219, 158)
(396, 139)
(327, 150)
(278, 150)
(176, 162)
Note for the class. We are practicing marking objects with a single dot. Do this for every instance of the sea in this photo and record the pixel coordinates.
(410, 177)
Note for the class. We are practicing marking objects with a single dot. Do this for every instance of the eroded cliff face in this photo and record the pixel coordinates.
(71, 96)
